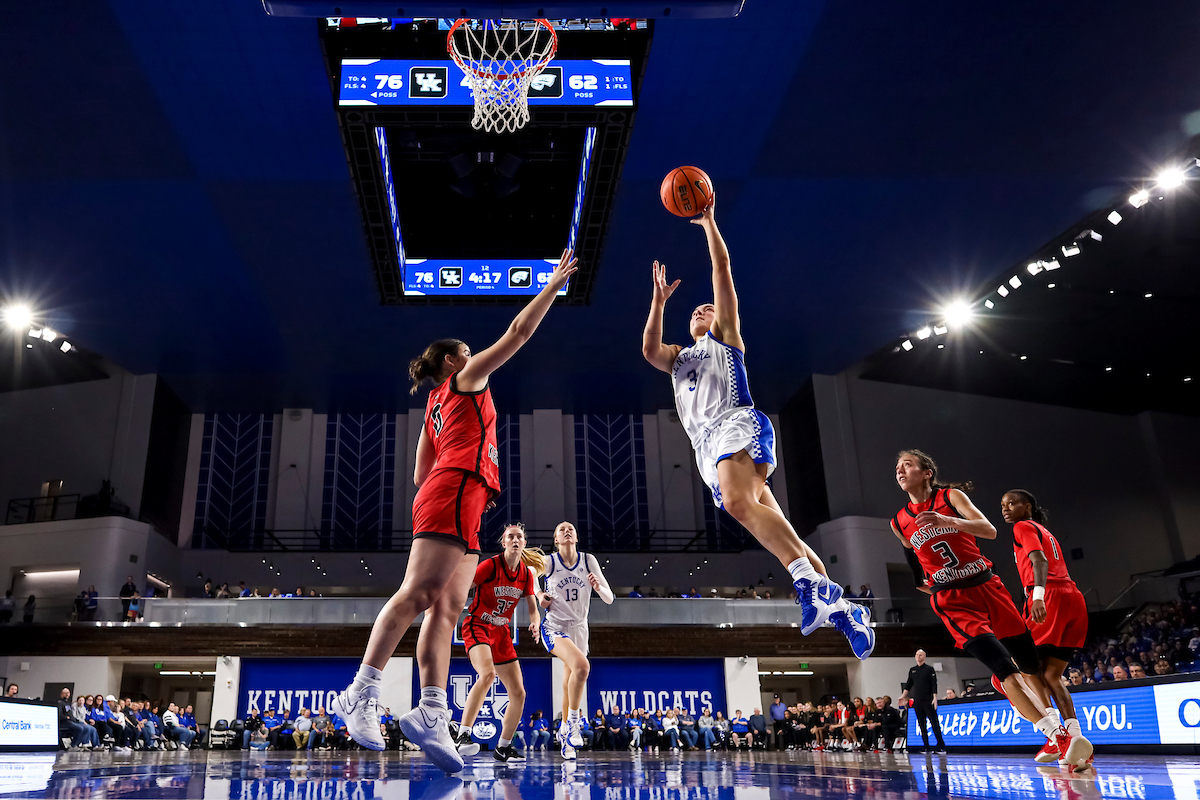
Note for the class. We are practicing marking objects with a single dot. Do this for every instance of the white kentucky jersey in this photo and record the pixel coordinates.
(710, 383)
(568, 586)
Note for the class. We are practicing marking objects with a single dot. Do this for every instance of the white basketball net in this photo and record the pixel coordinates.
(500, 59)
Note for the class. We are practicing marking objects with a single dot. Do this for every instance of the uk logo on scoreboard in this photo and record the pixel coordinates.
(427, 82)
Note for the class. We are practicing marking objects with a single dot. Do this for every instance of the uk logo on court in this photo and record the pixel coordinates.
(450, 277)
(547, 84)
(427, 82)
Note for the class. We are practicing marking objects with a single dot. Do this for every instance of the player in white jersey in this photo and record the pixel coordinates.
(570, 578)
(735, 442)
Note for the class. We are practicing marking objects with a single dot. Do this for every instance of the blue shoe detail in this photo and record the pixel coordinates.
(855, 625)
(816, 599)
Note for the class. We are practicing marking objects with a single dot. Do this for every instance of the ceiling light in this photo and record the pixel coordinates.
(1090, 234)
(1050, 265)
(66, 346)
(17, 316)
(1034, 268)
(49, 335)
(1071, 249)
(938, 330)
(1139, 198)
(1188, 379)
(989, 304)
(1014, 282)
(1108, 369)
(1051, 285)
(907, 344)
(924, 332)
(28, 346)
(958, 313)
(1114, 218)
(941, 347)
(1024, 357)
(1170, 178)
(35, 333)
(1002, 291)
(1148, 295)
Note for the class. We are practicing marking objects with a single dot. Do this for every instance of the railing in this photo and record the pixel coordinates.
(399, 541)
(64, 506)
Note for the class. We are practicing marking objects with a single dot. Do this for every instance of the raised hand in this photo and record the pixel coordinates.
(594, 581)
(565, 269)
(663, 290)
(709, 215)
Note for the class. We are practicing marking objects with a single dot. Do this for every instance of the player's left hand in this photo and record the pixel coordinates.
(925, 589)
(533, 629)
(708, 216)
(491, 504)
(1037, 609)
(935, 519)
(594, 581)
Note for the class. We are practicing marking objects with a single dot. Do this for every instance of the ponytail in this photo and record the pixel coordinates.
(1036, 512)
(533, 557)
(926, 462)
(429, 364)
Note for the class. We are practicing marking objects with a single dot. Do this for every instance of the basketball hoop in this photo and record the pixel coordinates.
(500, 59)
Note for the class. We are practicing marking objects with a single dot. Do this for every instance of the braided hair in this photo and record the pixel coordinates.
(1036, 512)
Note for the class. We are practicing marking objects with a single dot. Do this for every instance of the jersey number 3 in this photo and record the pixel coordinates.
(692, 380)
(435, 415)
(947, 554)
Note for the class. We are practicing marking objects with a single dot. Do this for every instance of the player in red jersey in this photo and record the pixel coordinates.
(938, 528)
(500, 583)
(457, 470)
(1055, 611)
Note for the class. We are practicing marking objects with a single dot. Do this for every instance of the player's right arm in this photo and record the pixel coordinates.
(426, 458)
(662, 356)
(1026, 535)
(727, 327)
(474, 376)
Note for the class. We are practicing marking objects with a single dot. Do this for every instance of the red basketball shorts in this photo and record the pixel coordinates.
(1066, 624)
(497, 637)
(975, 611)
(449, 505)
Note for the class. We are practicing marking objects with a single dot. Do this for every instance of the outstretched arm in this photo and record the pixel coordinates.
(474, 376)
(596, 579)
(727, 327)
(662, 356)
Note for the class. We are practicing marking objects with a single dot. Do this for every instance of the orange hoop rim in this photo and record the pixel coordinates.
(481, 75)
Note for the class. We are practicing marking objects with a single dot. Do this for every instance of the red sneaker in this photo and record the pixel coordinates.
(1050, 750)
(999, 687)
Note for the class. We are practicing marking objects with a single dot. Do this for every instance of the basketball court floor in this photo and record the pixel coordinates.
(605, 776)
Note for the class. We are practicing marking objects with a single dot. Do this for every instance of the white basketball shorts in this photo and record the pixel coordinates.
(745, 429)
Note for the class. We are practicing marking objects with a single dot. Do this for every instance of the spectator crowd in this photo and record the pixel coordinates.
(1161, 640)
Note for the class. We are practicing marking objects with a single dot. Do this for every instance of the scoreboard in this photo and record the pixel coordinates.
(408, 82)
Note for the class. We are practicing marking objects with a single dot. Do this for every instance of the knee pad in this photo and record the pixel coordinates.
(1024, 652)
(988, 650)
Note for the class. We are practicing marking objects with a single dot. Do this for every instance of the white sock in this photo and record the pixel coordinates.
(573, 715)
(803, 568)
(1053, 712)
(434, 697)
(841, 605)
(1047, 725)
(504, 742)
(366, 681)
(1072, 726)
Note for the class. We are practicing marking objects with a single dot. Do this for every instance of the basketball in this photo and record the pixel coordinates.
(686, 191)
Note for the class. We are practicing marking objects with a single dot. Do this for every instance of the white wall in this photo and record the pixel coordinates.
(90, 674)
(226, 685)
(857, 550)
(880, 675)
(741, 686)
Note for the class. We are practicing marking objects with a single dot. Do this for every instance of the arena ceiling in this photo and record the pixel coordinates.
(177, 199)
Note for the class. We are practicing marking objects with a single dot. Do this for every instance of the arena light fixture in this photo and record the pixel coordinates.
(1108, 369)
(907, 345)
(1015, 281)
(1139, 198)
(1024, 358)
(17, 316)
(1170, 178)
(49, 335)
(958, 313)
(1114, 218)
(1050, 265)
(1034, 268)
(1002, 291)
(989, 304)
(1051, 285)
(924, 332)
(1148, 295)
(1071, 249)
(939, 330)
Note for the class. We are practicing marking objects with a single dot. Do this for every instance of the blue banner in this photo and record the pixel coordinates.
(292, 684)
(657, 684)
(536, 676)
(406, 82)
(1164, 713)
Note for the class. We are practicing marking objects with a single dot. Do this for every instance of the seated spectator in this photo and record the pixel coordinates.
(224, 593)
(68, 725)
(539, 730)
(651, 731)
(950, 694)
(319, 723)
(1075, 676)
(739, 728)
(598, 737)
(704, 726)
(188, 718)
(633, 730)
(615, 737)
(284, 734)
(303, 728)
(890, 722)
(176, 732)
(758, 728)
(637, 592)
(687, 729)
(1136, 671)
(720, 731)
(122, 732)
(1119, 673)
(81, 713)
(253, 723)
(670, 728)
(242, 590)
(1163, 667)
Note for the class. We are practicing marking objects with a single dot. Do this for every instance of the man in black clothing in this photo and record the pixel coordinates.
(921, 688)
(889, 719)
(126, 594)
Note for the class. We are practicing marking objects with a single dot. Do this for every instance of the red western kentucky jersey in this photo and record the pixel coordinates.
(946, 554)
(1029, 536)
(497, 590)
(462, 427)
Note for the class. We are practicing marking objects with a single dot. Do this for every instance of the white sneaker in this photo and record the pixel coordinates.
(361, 715)
(184, 747)
(427, 729)
(567, 752)
(574, 737)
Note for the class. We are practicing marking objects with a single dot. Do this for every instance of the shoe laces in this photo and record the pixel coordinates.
(843, 622)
